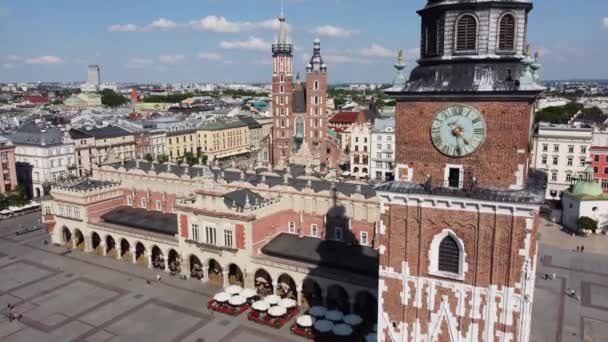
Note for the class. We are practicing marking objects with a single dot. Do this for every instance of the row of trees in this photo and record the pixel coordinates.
(110, 98)
(563, 114)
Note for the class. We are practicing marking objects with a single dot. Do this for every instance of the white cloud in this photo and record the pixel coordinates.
(163, 24)
(13, 58)
(376, 50)
(171, 59)
(253, 43)
(333, 31)
(222, 25)
(44, 60)
(209, 56)
(605, 22)
(138, 63)
(124, 28)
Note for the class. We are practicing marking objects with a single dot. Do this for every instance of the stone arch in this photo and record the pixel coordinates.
(140, 254)
(125, 249)
(235, 275)
(158, 259)
(337, 298)
(196, 267)
(96, 243)
(312, 294)
(286, 287)
(67, 235)
(214, 273)
(263, 282)
(111, 246)
(175, 261)
(78, 239)
(437, 259)
(366, 306)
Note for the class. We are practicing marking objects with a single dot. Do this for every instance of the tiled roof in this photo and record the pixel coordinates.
(31, 134)
(344, 118)
(100, 132)
(150, 220)
(359, 259)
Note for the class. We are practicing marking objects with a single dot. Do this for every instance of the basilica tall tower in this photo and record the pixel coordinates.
(458, 237)
(282, 96)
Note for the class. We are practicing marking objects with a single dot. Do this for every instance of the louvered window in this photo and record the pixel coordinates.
(449, 255)
(506, 34)
(433, 44)
(466, 33)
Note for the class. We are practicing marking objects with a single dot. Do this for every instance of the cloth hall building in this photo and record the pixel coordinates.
(281, 231)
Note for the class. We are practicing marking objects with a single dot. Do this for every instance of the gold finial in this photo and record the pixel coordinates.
(400, 56)
(527, 50)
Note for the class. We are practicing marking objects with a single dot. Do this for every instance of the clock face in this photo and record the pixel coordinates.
(457, 131)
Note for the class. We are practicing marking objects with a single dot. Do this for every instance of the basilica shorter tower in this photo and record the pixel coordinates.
(459, 230)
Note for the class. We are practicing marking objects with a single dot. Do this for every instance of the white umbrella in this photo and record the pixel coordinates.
(371, 337)
(305, 321)
(317, 311)
(353, 319)
(248, 293)
(334, 315)
(237, 300)
(277, 311)
(342, 330)
(221, 297)
(260, 305)
(233, 289)
(261, 280)
(287, 303)
(324, 326)
(272, 299)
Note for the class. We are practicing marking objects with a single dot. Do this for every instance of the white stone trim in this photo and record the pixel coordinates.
(446, 174)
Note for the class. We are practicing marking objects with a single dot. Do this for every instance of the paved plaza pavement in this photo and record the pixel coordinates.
(81, 297)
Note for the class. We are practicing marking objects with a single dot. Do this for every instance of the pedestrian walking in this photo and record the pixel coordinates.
(578, 248)
(582, 248)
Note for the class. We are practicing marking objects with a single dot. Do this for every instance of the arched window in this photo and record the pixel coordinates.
(449, 255)
(300, 127)
(316, 85)
(506, 33)
(466, 33)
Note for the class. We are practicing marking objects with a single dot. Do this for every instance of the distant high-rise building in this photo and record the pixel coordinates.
(94, 78)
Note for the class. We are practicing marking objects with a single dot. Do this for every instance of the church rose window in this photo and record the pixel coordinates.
(449, 255)
(506, 33)
(466, 33)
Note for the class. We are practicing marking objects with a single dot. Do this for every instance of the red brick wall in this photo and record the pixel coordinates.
(183, 223)
(96, 210)
(240, 236)
(493, 164)
(271, 225)
(491, 242)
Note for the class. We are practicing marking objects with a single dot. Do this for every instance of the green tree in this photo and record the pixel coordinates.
(559, 114)
(148, 157)
(190, 158)
(162, 158)
(18, 197)
(585, 223)
(246, 108)
(112, 99)
(204, 159)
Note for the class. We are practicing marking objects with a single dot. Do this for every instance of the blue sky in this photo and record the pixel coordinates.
(227, 40)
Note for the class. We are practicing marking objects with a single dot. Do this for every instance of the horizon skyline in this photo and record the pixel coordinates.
(164, 45)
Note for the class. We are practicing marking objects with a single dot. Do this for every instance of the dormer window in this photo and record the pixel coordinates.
(466, 33)
(506, 33)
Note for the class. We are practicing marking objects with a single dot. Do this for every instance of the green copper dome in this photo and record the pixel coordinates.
(587, 187)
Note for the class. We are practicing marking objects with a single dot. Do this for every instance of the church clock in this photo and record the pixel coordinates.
(458, 131)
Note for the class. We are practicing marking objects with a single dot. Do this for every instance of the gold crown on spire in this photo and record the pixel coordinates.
(400, 56)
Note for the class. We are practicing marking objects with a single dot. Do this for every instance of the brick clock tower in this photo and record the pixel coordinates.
(458, 237)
